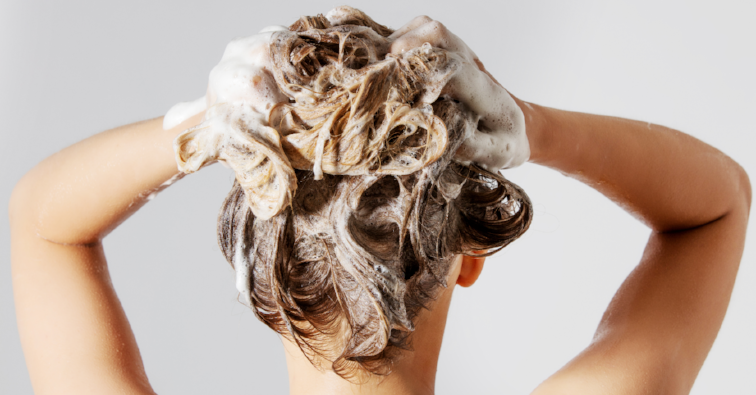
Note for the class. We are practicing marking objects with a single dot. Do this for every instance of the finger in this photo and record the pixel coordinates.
(437, 35)
(432, 32)
(411, 25)
(483, 69)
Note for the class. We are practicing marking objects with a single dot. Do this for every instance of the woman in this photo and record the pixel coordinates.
(653, 338)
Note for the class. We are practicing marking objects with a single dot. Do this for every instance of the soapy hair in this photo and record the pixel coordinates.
(378, 209)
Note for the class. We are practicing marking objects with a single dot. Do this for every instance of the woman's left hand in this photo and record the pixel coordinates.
(500, 141)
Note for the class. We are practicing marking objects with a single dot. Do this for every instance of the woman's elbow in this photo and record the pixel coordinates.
(20, 210)
(743, 190)
(19, 196)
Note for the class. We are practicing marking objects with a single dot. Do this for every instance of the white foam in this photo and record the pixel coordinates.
(182, 111)
(338, 14)
(243, 274)
(500, 141)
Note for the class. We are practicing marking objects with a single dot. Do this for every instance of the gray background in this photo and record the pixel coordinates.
(71, 69)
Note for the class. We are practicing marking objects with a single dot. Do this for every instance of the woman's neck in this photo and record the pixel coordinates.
(413, 374)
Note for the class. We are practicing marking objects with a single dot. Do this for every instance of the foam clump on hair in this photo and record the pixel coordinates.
(348, 208)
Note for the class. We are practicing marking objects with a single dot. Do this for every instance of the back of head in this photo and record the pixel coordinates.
(379, 209)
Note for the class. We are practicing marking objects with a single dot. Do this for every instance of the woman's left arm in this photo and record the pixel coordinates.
(74, 332)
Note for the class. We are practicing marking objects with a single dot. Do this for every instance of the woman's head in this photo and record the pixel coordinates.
(377, 209)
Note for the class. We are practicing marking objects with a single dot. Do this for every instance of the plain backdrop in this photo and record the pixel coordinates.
(70, 69)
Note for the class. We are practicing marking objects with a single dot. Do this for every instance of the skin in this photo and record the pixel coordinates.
(653, 338)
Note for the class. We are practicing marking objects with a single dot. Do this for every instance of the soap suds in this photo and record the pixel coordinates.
(183, 111)
(249, 91)
(500, 141)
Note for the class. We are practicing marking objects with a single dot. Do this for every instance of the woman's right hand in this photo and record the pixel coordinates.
(500, 141)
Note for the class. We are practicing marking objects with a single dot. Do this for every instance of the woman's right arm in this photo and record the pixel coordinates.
(658, 329)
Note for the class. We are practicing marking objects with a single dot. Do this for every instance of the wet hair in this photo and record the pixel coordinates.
(379, 209)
